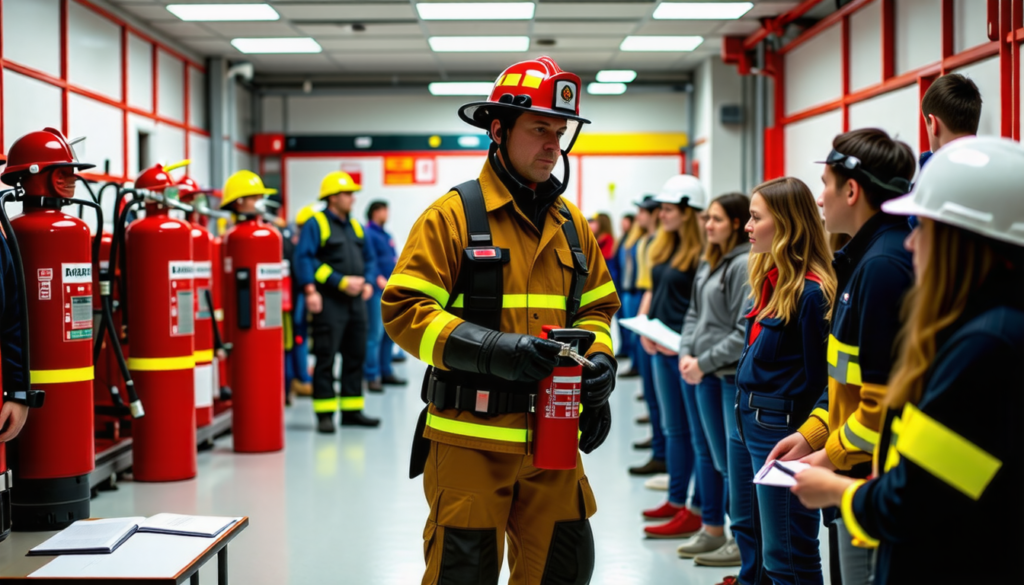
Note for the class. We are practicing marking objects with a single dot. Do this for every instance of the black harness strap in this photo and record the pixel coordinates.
(580, 268)
(481, 282)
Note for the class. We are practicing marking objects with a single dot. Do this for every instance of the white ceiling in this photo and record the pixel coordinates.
(586, 35)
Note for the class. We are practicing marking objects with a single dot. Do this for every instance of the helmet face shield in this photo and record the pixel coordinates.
(568, 138)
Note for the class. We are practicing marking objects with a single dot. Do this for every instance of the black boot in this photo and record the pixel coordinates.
(392, 380)
(325, 423)
(356, 418)
(650, 468)
(374, 385)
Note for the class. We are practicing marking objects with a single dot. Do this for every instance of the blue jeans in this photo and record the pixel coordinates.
(645, 364)
(378, 344)
(776, 534)
(296, 360)
(627, 339)
(631, 306)
(675, 424)
(715, 403)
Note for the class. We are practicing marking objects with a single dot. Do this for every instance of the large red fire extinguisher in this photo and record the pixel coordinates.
(161, 326)
(556, 436)
(253, 298)
(54, 454)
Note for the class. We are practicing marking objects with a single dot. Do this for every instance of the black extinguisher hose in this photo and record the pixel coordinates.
(33, 398)
(218, 342)
(118, 255)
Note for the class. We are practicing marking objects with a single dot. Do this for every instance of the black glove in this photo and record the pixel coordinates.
(595, 424)
(512, 356)
(599, 382)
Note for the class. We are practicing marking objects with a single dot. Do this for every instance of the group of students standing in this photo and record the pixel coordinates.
(891, 366)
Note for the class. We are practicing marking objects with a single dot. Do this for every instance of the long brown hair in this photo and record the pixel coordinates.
(958, 264)
(736, 207)
(687, 241)
(798, 247)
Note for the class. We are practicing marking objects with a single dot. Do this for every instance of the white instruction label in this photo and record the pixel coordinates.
(180, 270)
(78, 273)
(268, 271)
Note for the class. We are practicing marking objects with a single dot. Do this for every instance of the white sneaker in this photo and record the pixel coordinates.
(658, 482)
(699, 544)
(727, 556)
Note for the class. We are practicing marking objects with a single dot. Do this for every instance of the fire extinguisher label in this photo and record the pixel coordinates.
(565, 397)
(202, 269)
(76, 293)
(269, 300)
(182, 299)
(271, 271)
(180, 270)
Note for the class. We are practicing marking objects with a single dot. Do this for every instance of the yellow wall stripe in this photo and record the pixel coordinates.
(61, 376)
(598, 293)
(668, 143)
(429, 339)
(161, 364)
(203, 356)
(351, 403)
(325, 404)
(860, 538)
(418, 284)
(468, 429)
(945, 454)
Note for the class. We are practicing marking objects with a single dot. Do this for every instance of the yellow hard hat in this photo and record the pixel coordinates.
(243, 184)
(338, 182)
(304, 214)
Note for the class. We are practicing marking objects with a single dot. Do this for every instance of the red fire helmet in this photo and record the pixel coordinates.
(188, 189)
(155, 178)
(39, 151)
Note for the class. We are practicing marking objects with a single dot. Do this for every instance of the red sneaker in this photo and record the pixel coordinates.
(730, 580)
(662, 512)
(683, 524)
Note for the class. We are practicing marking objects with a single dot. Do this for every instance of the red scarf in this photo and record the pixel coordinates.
(767, 290)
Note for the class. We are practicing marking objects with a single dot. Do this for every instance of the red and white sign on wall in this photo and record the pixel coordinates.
(354, 170)
(410, 170)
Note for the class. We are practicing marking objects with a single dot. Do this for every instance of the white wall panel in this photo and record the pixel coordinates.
(808, 141)
(612, 183)
(197, 98)
(101, 125)
(701, 160)
(243, 161)
(986, 75)
(168, 144)
(140, 73)
(138, 124)
(32, 34)
(94, 51)
(171, 74)
(970, 24)
(866, 46)
(814, 71)
(897, 112)
(272, 114)
(703, 103)
(918, 33)
(1021, 96)
(199, 154)
(241, 130)
(29, 105)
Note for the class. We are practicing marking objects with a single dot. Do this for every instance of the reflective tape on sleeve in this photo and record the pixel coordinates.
(430, 335)
(61, 376)
(522, 301)
(598, 293)
(419, 285)
(860, 538)
(478, 431)
(859, 436)
(325, 227)
(323, 273)
(594, 323)
(161, 364)
(843, 362)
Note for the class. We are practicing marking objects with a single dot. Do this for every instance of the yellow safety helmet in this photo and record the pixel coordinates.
(305, 213)
(243, 184)
(338, 182)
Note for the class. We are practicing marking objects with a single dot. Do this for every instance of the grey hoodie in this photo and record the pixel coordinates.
(713, 330)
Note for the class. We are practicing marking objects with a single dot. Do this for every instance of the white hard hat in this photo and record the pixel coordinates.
(973, 184)
(683, 190)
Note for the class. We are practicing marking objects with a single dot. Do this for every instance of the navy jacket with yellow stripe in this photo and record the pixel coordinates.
(952, 462)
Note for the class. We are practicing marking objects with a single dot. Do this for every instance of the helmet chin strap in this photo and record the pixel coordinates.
(509, 168)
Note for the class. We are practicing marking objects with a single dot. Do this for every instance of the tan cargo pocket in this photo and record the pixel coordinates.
(587, 500)
(565, 259)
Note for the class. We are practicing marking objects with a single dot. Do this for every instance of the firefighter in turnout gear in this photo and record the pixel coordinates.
(484, 269)
(335, 267)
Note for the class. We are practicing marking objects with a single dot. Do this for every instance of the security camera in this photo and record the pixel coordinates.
(244, 69)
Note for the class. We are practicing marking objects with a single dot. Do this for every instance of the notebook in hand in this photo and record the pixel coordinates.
(89, 537)
(184, 525)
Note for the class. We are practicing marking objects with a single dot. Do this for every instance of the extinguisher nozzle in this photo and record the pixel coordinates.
(137, 410)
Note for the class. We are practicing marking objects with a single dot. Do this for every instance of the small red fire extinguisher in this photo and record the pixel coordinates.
(556, 436)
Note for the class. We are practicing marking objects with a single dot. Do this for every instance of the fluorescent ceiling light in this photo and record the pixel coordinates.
(479, 44)
(476, 10)
(616, 75)
(461, 88)
(660, 43)
(701, 10)
(277, 45)
(222, 12)
(606, 88)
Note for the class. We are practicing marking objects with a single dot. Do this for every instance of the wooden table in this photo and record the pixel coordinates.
(16, 565)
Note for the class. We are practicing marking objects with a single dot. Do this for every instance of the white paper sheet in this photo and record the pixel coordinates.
(654, 330)
(95, 535)
(770, 475)
(142, 555)
(181, 524)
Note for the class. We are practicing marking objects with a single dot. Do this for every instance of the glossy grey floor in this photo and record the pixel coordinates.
(341, 509)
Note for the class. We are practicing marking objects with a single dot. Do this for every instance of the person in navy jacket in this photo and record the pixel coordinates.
(12, 355)
(952, 435)
(377, 367)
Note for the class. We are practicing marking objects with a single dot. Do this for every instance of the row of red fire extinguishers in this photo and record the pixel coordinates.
(153, 290)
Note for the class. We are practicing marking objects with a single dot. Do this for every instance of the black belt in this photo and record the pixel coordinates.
(447, 394)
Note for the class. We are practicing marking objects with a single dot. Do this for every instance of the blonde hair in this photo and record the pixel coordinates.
(799, 246)
(959, 263)
(635, 233)
(687, 241)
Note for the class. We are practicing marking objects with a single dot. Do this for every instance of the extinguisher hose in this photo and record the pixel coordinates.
(118, 257)
(19, 267)
(218, 343)
(99, 227)
(133, 398)
(88, 187)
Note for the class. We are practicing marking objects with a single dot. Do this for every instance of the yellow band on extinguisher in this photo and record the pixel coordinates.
(61, 376)
(203, 356)
(161, 364)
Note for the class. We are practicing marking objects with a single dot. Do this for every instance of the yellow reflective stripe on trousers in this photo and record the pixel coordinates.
(468, 429)
(203, 356)
(323, 273)
(325, 405)
(61, 376)
(858, 435)
(419, 285)
(943, 453)
(351, 403)
(598, 293)
(843, 362)
(860, 538)
(161, 364)
(429, 339)
(325, 227)
(533, 301)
